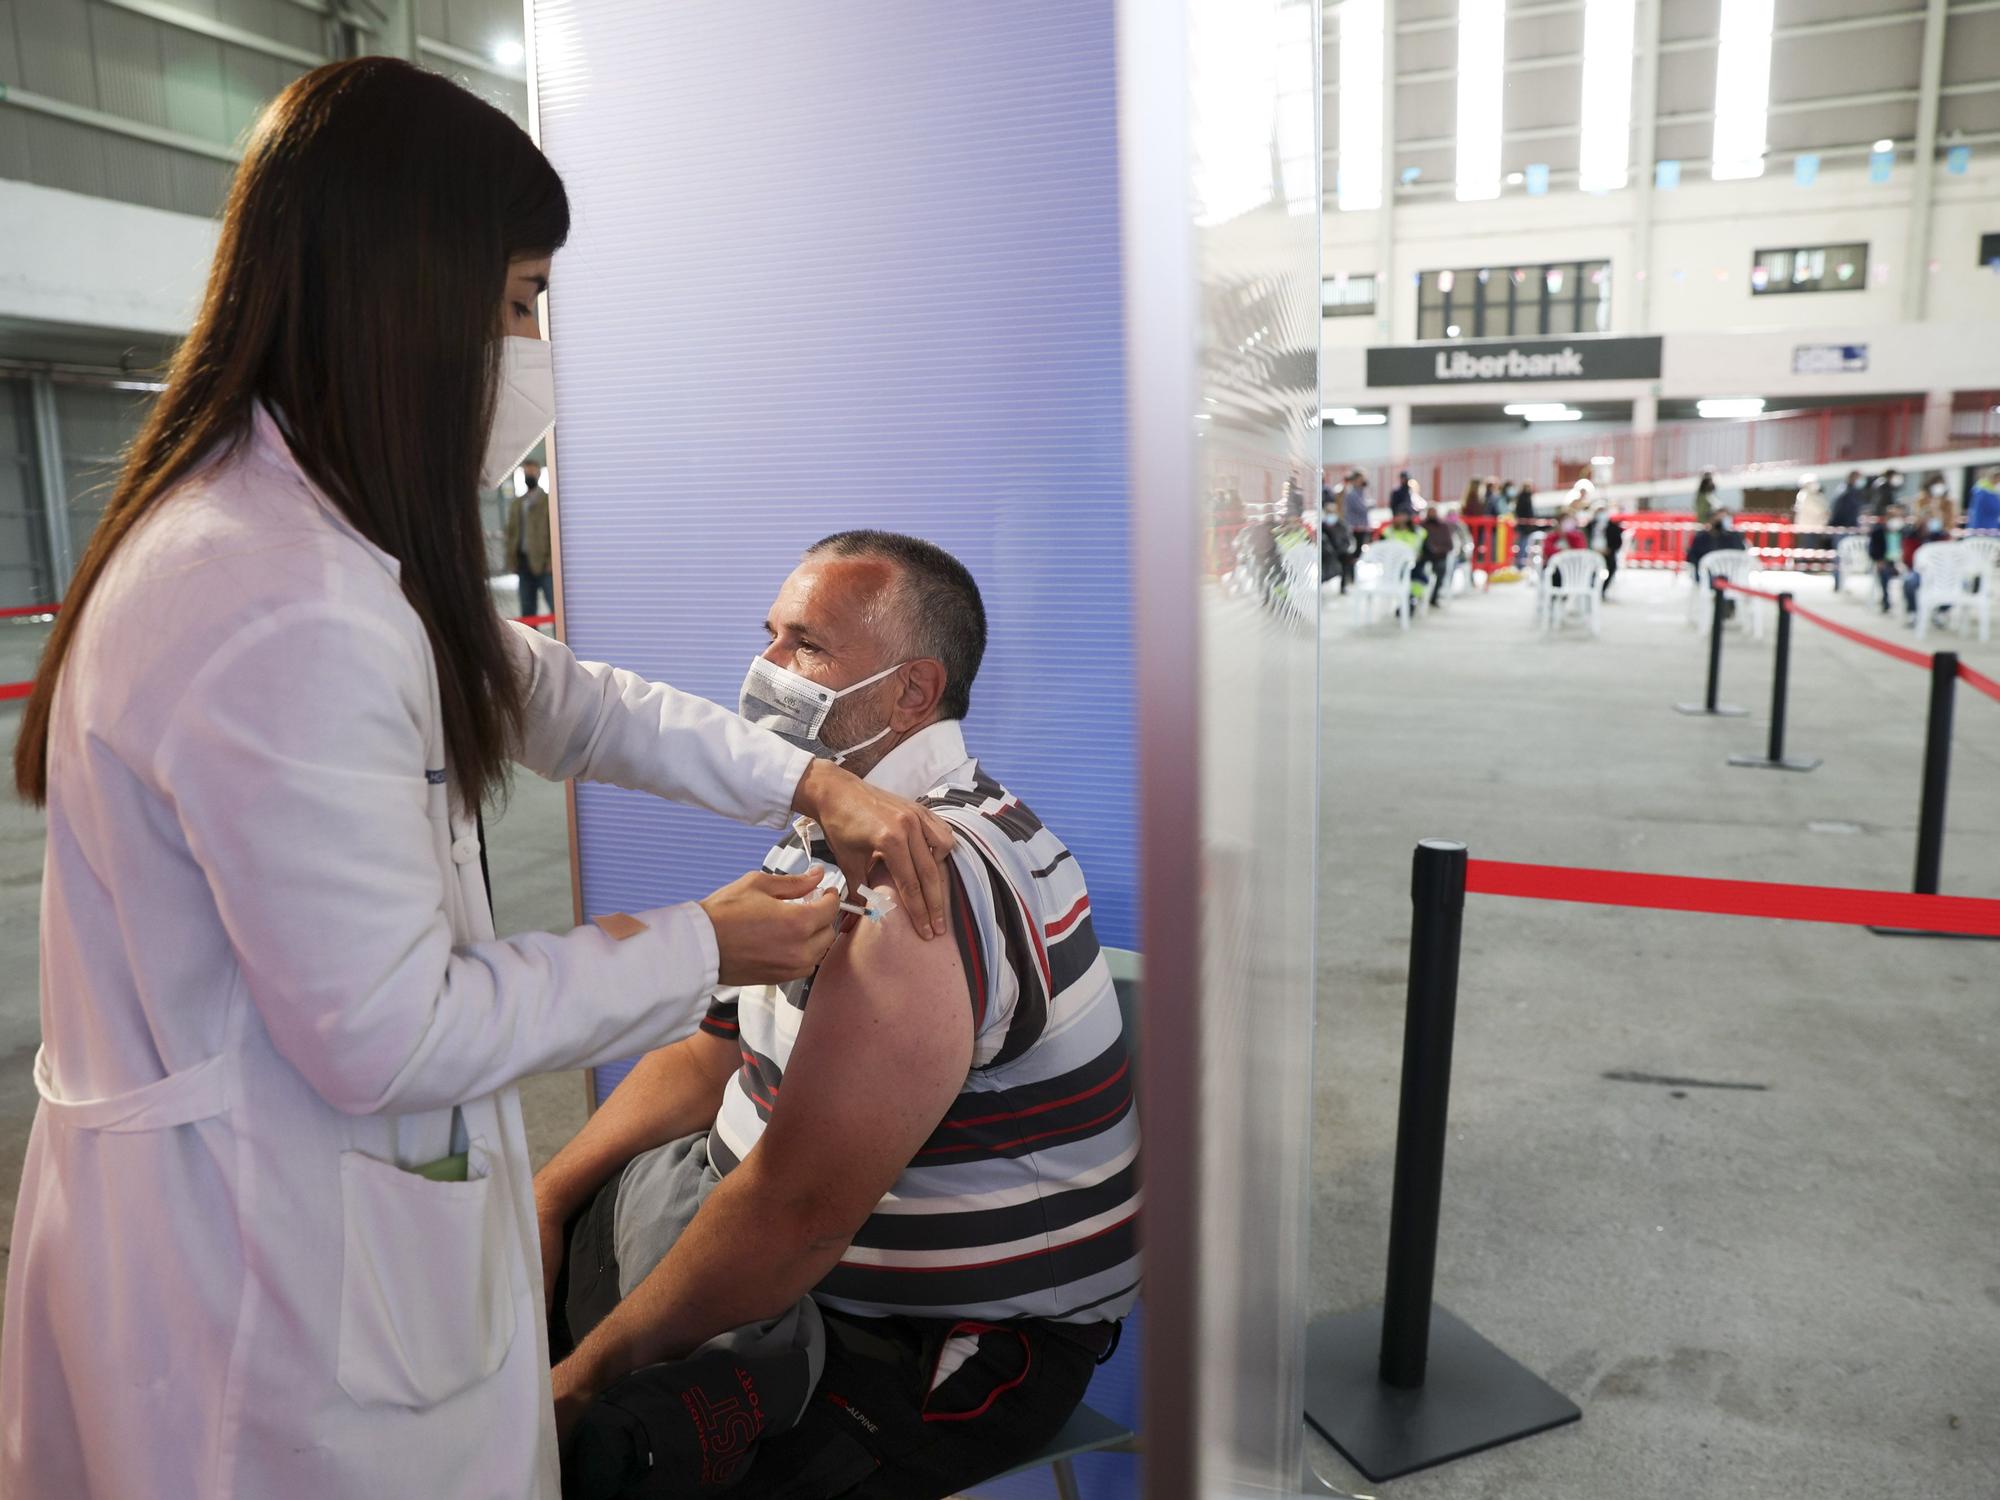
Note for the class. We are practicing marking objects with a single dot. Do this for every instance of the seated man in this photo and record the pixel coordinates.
(873, 1244)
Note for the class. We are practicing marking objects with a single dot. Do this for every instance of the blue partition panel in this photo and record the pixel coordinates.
(836, 267)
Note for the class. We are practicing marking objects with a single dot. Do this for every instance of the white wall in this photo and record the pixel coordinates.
(1704, 236)
(95, 263)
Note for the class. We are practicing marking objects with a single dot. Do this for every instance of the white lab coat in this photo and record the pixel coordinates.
(268, 976)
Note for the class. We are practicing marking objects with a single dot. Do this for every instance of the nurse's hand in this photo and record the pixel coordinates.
(765, 933)
(865, 825)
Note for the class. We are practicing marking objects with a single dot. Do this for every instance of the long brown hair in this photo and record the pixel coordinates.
(357, 290)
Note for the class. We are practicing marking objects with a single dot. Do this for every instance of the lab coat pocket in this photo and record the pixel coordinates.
(426, 1286)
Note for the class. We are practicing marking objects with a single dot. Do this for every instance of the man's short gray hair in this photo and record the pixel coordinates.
(937, 611)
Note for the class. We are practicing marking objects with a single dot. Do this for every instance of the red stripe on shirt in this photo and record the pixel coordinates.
(1067, 920)
(1038, 1109)
(1022, 1140)
(1027, 917)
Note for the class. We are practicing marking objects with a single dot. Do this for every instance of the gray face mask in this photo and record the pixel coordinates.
(795, 708)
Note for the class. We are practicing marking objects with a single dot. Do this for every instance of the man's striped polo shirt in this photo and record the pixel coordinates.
(1024, 1202)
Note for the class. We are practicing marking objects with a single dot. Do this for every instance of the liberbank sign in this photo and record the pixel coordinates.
(1506, 361)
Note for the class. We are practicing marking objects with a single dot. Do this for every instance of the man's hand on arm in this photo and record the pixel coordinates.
(865, 824)
(669, 1093)
(884, 1048)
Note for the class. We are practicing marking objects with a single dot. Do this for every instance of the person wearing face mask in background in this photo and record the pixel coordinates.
(276, 1232)
(1936, 504)
(1885, 548)
(527, 543)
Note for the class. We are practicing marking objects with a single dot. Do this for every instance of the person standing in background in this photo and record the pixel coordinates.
(1524, 518)
(1887, 490)
(1809, 513)
(1704, 498)
(526, 543)
(1608, 537)
(1845, 516)
(1354, 508)
(1440, 541)
(1809, 507)
(1402, 499)
(1982, 506)
(1336, 542)
(1885, 548)
(1849, 504)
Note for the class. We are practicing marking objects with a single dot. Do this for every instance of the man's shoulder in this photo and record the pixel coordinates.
(971, 798)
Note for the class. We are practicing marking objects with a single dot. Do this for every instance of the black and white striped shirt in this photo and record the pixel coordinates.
(1024, 1202)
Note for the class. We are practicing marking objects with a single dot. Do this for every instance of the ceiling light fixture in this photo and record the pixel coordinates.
(1482, 59)
(1604, 158)
(1358, 176)
(509, 53)
(1742, 90)
(1727, 407)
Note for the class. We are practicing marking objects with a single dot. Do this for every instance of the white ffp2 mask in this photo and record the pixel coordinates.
(524, 407)
(794, 708)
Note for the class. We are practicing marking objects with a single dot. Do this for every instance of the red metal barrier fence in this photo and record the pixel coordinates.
(1659, 539)
(1828, 437)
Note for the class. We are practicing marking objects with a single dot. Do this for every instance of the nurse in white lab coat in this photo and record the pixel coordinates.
(270, 985)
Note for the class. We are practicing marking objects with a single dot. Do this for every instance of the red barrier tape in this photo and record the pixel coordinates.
(534, 619)
(15, 690)
(1737, 588)
(1861, 637)
(21, 610)
(1735, 898)
(1979, 682)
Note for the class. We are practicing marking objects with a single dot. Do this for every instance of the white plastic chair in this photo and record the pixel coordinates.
(1979, 575)
(1576, 586)
(1855, 563)
(1939, 567)
(1541, 573)
(1739, 568)
(1383, 571)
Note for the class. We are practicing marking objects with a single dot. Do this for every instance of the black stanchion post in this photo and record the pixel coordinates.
(1406, 1385)
(1930, 812)
(1781, 670)
(1430, 1012)
(1711, 708)
(1937, 772)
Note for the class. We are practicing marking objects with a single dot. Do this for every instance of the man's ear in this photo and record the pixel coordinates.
(922, 687)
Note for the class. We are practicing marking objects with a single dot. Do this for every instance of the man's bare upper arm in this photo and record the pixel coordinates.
(884, 1048)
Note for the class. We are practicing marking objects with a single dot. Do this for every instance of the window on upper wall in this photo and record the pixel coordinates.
(1554, 299)
(1345, 296)
(1809, 268)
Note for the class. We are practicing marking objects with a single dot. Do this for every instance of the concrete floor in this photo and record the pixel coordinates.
(1787, 1291)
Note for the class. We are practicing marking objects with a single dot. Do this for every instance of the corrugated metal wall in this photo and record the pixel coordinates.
(146, 101)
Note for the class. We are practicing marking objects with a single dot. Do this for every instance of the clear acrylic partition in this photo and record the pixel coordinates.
(1224, 333)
